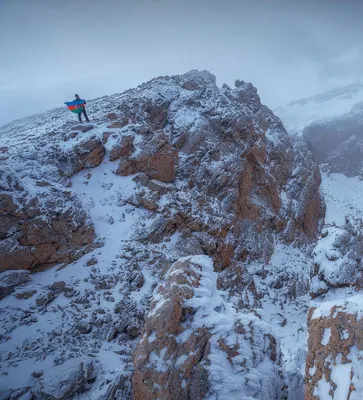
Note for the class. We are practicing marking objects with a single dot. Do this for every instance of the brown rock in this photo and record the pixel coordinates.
(156, 113)
(105, 136)
(122, 149)
(112, 116)
(91, 152)
(125, 168)
(10, 281)
(92, 261)
(332, 340)
(175, 345)
(119, 124)
(12, 257)
(45, 299)
(158, 338)
(58, 286)
(38, 235)
(190, 85)
(142, 179)
(83, 128)
(25, 295)
(310, 210)
(157, 186)
(6, 204)
(149, 202)
(158, 160)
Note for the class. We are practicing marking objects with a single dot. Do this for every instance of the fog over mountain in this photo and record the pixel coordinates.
(287, 49)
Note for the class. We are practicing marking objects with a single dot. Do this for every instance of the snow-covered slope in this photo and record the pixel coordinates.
(299, 114)
(331, 125)
(338, 142)
(197, 286)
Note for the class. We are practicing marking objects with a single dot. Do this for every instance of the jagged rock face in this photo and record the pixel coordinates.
(338, 142)
(11, 280)
(335, 348)
(181, 345)
(122, 149)
(159, 352)
(184, 168)
(41, 231)
(234, 170)
(42, 223)
(156, 158)
(87, 154)
(338, 258)
(307, 206)
(230, 159)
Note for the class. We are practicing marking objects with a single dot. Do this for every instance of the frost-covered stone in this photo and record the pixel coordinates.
(335, 350)
(338, 258)
(199, 169)
(194, 343)
(11, 280)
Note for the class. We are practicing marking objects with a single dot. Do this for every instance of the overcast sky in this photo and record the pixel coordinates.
(51, 49)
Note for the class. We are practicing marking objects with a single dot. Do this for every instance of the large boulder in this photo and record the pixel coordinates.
(11, 280)
(306, 205)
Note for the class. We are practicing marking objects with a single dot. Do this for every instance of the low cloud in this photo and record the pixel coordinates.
(288, 49)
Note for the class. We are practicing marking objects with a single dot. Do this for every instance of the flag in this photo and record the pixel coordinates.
(76, 106)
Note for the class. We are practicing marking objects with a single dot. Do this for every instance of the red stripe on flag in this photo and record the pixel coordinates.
(75, 107)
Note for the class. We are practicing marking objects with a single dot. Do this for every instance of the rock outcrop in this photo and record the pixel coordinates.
(335, 349)
(338, 258)
(193, 343)
(156, 158)
(86, 154)
(231, 160)
(41, 230)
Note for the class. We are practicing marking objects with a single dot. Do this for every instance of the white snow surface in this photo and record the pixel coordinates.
(29, 338)
(100, 195)
(343, 196)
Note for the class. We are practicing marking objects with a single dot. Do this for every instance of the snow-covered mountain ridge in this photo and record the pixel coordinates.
(299, 114)
(177, 233)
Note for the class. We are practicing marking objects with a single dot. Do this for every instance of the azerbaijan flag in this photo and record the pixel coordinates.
(76, 106)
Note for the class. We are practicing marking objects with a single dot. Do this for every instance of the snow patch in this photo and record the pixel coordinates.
(326, 337)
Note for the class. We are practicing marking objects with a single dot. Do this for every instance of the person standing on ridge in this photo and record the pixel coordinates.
(83, 111)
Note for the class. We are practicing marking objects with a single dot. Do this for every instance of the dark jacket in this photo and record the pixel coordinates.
(81, 99)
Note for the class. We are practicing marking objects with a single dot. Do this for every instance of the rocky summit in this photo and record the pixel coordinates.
(177, 247)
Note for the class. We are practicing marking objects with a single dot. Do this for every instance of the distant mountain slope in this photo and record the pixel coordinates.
(301, 113)
(338, 142)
